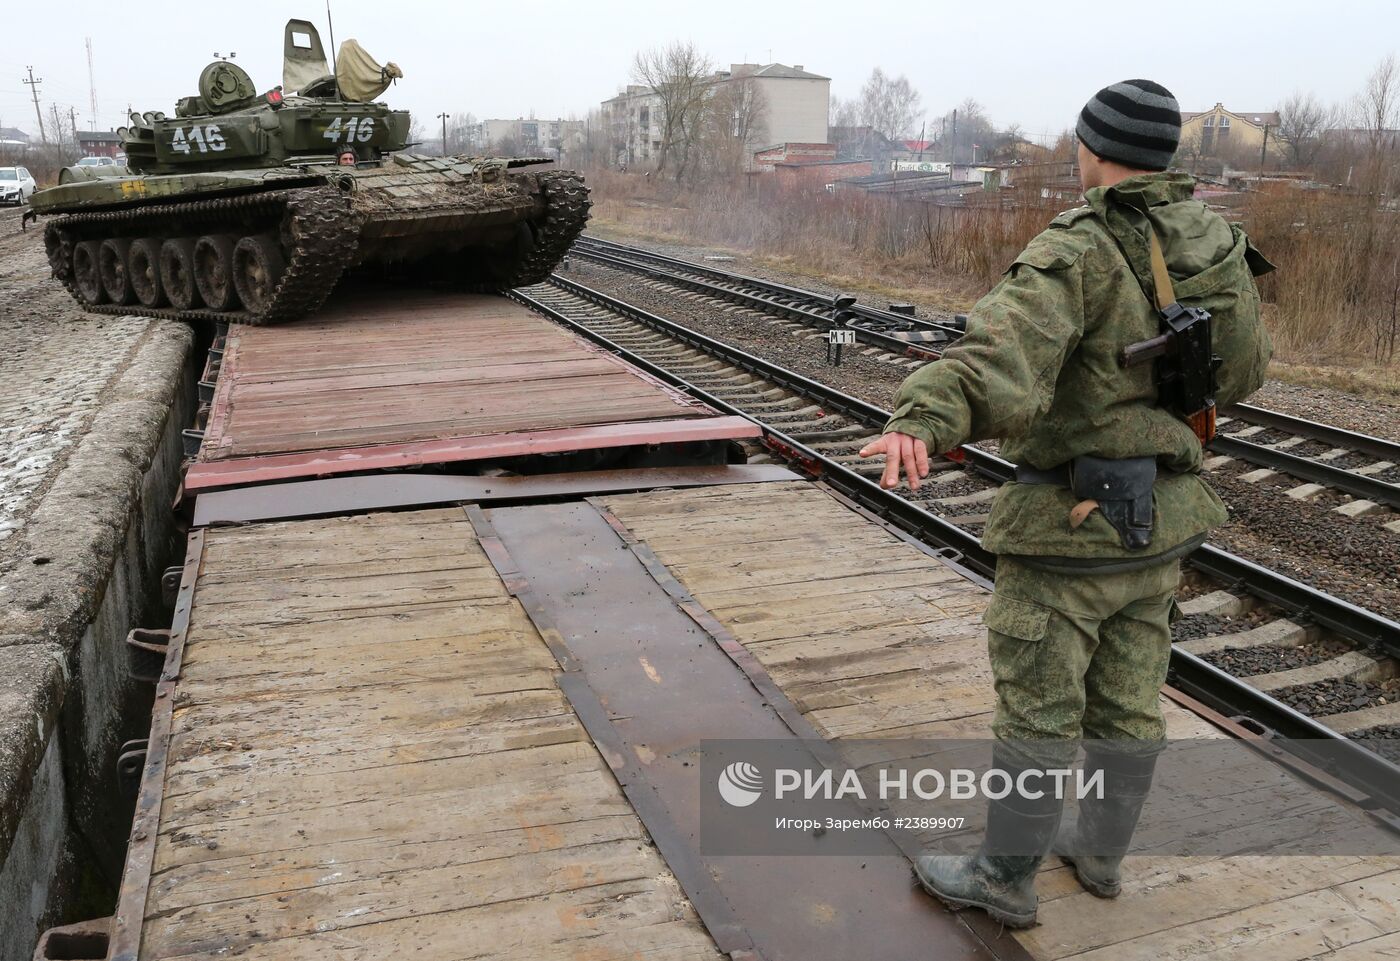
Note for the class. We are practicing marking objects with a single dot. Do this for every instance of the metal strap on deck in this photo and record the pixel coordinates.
(620, 625)
(704, 893)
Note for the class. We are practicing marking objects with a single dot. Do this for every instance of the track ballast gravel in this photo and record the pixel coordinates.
(1355, 558)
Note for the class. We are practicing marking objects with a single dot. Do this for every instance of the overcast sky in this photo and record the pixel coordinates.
(1034, 63)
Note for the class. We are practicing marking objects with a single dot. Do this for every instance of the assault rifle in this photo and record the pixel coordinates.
(1186, 364)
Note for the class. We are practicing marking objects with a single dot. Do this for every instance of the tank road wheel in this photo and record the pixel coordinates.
(257, 266)
(86, 275)
(213, 271)
(177, 273)
(143, 267)
(111, 266)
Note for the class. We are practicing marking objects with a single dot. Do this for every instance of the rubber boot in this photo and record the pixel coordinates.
(1000, 877)
(1096, 843)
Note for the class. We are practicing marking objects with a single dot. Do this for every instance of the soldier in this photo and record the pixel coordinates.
(1077, 628)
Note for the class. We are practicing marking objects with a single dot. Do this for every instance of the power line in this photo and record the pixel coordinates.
(34, 90)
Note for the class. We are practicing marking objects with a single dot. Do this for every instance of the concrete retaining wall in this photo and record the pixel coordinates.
(87, 569)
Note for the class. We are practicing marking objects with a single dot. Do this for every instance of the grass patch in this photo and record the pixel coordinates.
(1376, 383)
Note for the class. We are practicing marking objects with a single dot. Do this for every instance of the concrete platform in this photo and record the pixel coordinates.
(91, 409)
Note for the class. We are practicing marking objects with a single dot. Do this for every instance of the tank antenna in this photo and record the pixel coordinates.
(335, 72)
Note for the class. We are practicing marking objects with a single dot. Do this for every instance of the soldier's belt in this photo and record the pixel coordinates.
(1120, 489)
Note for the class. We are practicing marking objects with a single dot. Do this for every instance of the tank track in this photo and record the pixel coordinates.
(318, 228)
(566, 214)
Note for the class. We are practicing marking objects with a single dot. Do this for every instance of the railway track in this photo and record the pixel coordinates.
(1364, 470)
(902, 337)
(821, 428)
(1323, 456)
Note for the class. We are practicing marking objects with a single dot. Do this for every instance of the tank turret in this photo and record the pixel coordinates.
(249, 205)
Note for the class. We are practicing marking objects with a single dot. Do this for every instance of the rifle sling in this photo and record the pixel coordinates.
(1161, 280)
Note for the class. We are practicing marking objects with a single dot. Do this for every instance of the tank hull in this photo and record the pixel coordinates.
(268, 246)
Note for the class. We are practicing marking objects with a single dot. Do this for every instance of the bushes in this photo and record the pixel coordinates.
(1336, 294)
(819, 229)
(1335, 297)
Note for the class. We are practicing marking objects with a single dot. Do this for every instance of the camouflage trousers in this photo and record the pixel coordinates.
(1079, 656)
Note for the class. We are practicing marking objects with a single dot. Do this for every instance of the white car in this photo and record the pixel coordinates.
(97, 162)
(15, 186)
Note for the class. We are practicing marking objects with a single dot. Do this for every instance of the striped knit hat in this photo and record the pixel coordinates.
(1136, 123)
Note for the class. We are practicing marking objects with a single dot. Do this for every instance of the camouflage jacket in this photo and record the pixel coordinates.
(1038, 366)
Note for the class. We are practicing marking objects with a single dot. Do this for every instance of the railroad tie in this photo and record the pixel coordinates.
(1216, 603)
(1352, 665)
(1279, 633)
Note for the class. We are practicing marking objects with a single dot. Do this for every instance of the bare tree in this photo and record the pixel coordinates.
(844, 114)
(60, 126)
(965, 131)
(1009, 143)
(1191, 150)
(507, 146)
(889, 106)
(594, 147)
(1373, 230)
(1066, 146)
(680, 76)
(734, 124)
(463, 134)
(1378, 105)
(844, 129)
(1302, 121)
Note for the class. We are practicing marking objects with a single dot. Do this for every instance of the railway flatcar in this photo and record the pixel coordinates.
(461, 609)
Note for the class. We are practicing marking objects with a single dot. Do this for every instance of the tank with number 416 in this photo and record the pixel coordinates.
(249, 207)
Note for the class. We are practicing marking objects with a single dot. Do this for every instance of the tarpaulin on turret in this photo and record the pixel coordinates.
(361, 77)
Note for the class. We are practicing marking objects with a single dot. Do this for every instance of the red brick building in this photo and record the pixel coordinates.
(815, 176)
(99, 143)
(788, 153)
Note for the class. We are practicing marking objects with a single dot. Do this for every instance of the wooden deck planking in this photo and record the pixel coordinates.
(372, 770)
(419, 368)
(870, 638)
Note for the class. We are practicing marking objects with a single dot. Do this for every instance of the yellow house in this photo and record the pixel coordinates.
(1221, 132)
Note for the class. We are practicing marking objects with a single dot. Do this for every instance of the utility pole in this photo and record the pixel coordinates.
(34, 90)
(955, 135)
(443, 118)
(73, 119)
(1263, 149)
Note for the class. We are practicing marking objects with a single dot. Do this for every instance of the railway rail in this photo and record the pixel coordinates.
(1362, 467)
(900, 333)
(819, 427)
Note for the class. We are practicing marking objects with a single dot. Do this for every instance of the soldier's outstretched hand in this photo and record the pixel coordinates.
(901, 452)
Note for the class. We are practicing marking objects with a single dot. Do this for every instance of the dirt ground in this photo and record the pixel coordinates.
(80, 395)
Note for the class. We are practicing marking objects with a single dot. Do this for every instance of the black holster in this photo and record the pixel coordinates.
(1122, 488)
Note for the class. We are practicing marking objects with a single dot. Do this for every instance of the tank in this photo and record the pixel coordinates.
(250, 207)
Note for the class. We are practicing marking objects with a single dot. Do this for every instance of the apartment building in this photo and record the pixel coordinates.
(796, 104)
